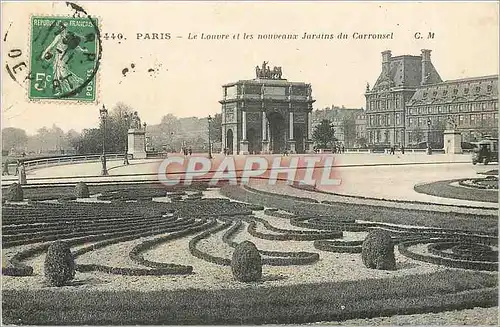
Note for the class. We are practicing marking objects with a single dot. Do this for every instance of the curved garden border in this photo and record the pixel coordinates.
(445, 190)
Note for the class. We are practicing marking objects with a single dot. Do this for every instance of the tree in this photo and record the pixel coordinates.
(90, 141)
(349, 128)
(13, 138)
(216, 128)
(418, 135)
(324, 134)
(362, 142)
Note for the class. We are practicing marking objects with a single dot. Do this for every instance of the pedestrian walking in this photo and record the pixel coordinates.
(17, 167)
(5, 168)
(190, 151)
(402, 149)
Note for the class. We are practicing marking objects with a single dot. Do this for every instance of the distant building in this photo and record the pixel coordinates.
(401, 76)
(361, 139)
(472, 104)
(346, 122)
(409, 103)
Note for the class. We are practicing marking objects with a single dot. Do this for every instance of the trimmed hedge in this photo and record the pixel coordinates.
(280, 258)
(246, 263)
(59, 267)
(339, 247)
(136, 253)
(377, 250)
(82, 190)
(403, 248)
(205, 256)
(14, 193)
(461, 251)
(289, 235)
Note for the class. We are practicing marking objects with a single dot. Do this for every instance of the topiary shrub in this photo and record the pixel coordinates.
(377, 250)
(246, 263)
(59, 264)
(15, 192)
(82, 190)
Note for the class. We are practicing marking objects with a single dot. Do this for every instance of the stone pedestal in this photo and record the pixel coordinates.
(137, 143)
(452, 142)
(291, 146)
(244, 147)
(309, 146)
(265, 147)
(22, 175)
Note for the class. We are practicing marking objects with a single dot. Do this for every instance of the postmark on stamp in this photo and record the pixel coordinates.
(64, 58)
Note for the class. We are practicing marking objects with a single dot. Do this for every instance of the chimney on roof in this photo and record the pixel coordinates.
(386, 57)
(426, 66)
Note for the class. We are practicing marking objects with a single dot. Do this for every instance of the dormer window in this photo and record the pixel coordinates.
(489, 88)
(425, 94)
(434, 93)
(445, 92)
(466, 90)
(455, 91)
(478, 88)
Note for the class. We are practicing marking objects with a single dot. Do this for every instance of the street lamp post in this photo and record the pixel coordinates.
(429, 135)
(103, 112)
(209, 141)
(126, 116)
(145, 145)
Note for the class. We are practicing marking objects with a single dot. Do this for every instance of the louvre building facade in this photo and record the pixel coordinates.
(410, 103)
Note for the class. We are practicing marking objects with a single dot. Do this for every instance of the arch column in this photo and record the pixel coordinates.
(291, 141)
(265, 134)
(309, 142)
(244, 141)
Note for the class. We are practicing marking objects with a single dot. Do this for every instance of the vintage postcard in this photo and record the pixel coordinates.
(249, 162)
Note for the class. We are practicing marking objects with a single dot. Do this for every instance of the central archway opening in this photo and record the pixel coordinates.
(298, 135)
(254, 141)
(229, 141)
(277, 135)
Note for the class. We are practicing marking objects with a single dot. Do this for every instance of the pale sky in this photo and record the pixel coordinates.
(191, 72)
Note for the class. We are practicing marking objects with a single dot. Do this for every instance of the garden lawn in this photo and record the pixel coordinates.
(444, 189)
(303, 303)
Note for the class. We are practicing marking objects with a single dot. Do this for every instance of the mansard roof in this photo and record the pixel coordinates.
(460, 90)
(405, 71)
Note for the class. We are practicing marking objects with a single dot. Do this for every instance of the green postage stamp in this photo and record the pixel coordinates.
(64, 57)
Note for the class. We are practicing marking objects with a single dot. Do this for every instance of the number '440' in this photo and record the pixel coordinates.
(113, 36)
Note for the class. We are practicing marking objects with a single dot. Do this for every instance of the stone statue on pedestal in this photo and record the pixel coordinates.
(135, 122)
(450, 123)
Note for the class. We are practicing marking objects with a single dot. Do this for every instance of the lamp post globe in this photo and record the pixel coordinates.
(103, 113)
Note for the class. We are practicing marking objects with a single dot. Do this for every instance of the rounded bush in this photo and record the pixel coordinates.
(82, 190)
(377, 250)
(15, 192)
(246, 263)
(59, 264)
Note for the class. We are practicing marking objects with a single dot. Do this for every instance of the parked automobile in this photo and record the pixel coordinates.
(485, 151)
